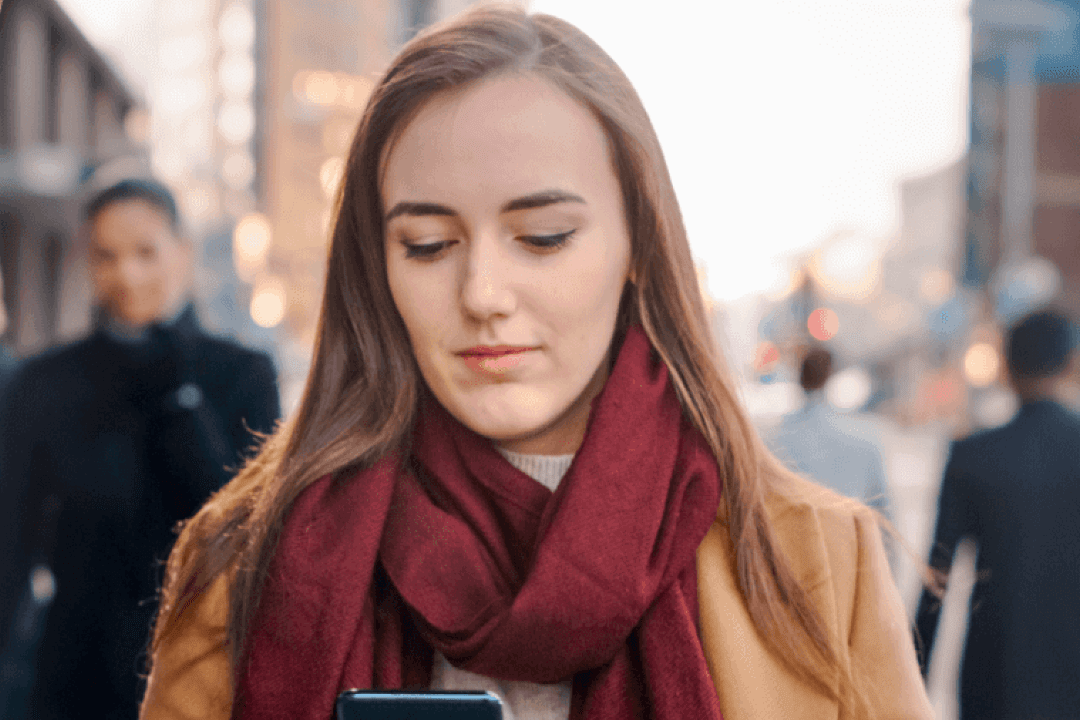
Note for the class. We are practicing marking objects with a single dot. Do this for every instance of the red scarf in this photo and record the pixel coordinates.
(463, 553)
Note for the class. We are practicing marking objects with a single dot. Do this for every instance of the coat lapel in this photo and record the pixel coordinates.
(751, 681)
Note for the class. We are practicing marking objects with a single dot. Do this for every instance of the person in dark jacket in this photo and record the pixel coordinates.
(110, 442)
(1015, 491)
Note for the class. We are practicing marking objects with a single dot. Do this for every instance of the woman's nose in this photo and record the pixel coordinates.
(486, 287)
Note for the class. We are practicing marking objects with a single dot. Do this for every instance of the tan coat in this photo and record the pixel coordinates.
(835, 548)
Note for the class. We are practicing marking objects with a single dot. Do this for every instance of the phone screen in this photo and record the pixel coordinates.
(413, 705)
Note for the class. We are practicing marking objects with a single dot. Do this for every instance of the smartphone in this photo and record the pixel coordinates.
(417, 705)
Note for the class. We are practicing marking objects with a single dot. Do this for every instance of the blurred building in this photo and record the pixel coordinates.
(1023, 183)
(63, 109)
(921, 304)
(1057, 189)
(206, 91)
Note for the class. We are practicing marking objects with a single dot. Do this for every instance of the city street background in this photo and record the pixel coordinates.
(896, 180)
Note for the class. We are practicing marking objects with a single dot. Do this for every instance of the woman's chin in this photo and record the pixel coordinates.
(520, 417)
(534, 436)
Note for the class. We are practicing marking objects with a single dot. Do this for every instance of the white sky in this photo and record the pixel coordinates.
(781, 120)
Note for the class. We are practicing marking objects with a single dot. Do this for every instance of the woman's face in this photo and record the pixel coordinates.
(139, 267)
(507, 252)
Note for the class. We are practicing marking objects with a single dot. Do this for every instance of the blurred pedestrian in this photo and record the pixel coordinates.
(839, 451)
(1015, 492)
(110, 442)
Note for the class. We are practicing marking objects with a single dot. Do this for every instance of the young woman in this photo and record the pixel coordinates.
(519, 464)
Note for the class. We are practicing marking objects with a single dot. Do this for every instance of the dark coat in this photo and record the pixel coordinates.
(1015, 491)
(7, 366)
(107, 446)
(7, 370)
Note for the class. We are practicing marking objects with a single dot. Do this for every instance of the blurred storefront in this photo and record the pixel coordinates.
(63, 110)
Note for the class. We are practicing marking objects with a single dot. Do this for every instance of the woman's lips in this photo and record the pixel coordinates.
(495, 360)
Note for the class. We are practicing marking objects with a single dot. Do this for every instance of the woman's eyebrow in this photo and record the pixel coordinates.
(525, 202)
(417, 209)
(541, 199)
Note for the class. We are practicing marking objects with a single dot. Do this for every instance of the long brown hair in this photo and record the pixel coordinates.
(362, 390)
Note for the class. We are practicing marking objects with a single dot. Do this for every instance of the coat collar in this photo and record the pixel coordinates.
(184, 320)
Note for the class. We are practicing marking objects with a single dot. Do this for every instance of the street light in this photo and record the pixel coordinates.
(823, 324)
(251, 245)
(982, 364)
(268, 301)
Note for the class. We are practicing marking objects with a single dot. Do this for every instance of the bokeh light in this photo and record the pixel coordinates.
(268, 301)
(236, 72)
(850, 388)
(320, 88)
(848, 266)
(236, 122)
(236, 27)
(982, 364)
(251, 245)
(766, 355)
(823, 324)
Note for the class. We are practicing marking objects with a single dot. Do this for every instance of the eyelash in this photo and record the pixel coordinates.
(548, 242)
(423, 251)
(541, 243)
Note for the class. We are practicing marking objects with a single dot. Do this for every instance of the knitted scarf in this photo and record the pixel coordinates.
(452, 548)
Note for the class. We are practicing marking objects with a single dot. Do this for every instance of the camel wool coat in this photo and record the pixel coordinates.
(834, 546)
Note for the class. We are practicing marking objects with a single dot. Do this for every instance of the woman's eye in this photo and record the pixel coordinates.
(547, 242)
(424, 251)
